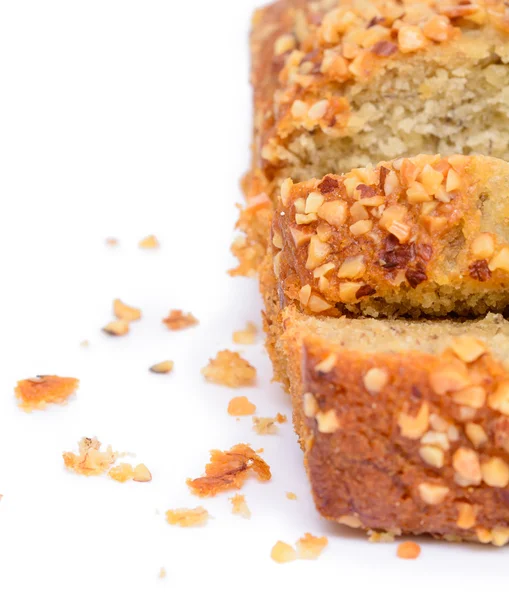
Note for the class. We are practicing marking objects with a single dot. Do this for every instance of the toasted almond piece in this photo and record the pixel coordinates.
(313, 202)
(317, 304)
(317, 253)
(187, 517)
(310, 547)
(239, 506)
(277, 240)
(476, 434)
(453, 181)
(436, 438)
(177, 320)
(283, 552)
(352, 267)
(124, 312)
(499, 399)
(240, 407)
(116, 328)
(414, 427)
(149, 243)
(467, 348)
(495, 472)
(305, 219)
(408, 550)
(432, 494)
(450, 377)
(432, 455)
(291, 496)
(466, 515)
(352, 521)
(465, 462)
(163, 367)
(328, 421)
(348, 292)
(334, 212)
(361, 227)
(142, 474)
(286, 188)
(375, 380)
(474, 396)
(247, 335)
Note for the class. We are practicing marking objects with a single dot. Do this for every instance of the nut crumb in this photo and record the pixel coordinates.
(408, 550)
(122, 472)
(177, 320)
(124, 312)
(228, 470)
(283, 552)
(111, 241)
(381, 537)
(149, 243)
(163, 367)
(187, 517)
(240, 407)
(291, 496)
(116, 328)
(310, 547)
(141, 474)
(37, 392)
(239, 506)
(230, 369)
(90, 460)
(247, 335)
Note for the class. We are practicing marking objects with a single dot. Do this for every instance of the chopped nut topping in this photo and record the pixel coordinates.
(474, 397)
(291, 496)
(453, 181)
(37, 392)
(239, 506)
(328, 421)
(500, 260)
(432, 456)
(299, 237)
(432, 494)
(408, 550)
(483, 246)
(361, 227)
(335, 212)
(305, 294)
(351, 521)
(435, 438)
(240, 407)
(358, 212)
(348, 292)
(353, 267)
(149, 243)
(277, 240)
(310, 547)
(310, 405)
(476, 434)
(124, 312)
(438, 423)
(500, 536)
(467, 348)
(90, 460)
(414, 427)
(163, 367)
(116, 328)
(286, 188)
(230, 369)
(313, 202)
(451, 377)
(284, 43)
(247, 335)
(466, 515)
(177, 320)
(466, 464)
(499, 400)
(375, 380)
(317, 253)
(317, 304)
(187, 517)
(141, 474)
(327, 364)
(495, 472)
(283, 552)
(228, 471)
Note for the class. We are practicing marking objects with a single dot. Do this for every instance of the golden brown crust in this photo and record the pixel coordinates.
(404, 442)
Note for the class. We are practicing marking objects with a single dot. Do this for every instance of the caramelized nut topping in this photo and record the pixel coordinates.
(466, 465)
(328, 422)
(375, 380)
(495, 472)
(467, 348)
(432, 494)
(414, 427)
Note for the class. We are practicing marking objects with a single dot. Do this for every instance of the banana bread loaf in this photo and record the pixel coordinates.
(341, 84)
(405, 425)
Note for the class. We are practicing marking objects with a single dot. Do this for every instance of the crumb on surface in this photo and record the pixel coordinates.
(228, 470)
(229, 369)
(163, 367)
(239, 506)
(291, 496)
(122, 472)
(187, 517)
(245, 336)
(162, 573)
(408, 550)
(149, 243)
(142, 474)
(240, 407)
(124, 312)
(177, 320)
(111, 241)
(116, 328)
(267, 425)
(90, 460)
(381, 537)
(37, 392)
(84, 344)
(310, 547)
(282, 552)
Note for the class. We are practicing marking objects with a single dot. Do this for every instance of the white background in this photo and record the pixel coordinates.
(124, 119)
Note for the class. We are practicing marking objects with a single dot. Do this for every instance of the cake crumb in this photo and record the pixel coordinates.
(247, 335)
(162, 573)
(187, 517)
(240, 407)
(239, 506)
(229, 369)
(408, 550)
(228, 470)
(116, 328)
(381, 537)
(310, 547)
(149, 243)
(122, 472)
(267, 425)
(124, 312)
(291, 496)
(177, 320)
(283, 552)
(90, 460)
(37, 392)
(111, 241)
(163, 367)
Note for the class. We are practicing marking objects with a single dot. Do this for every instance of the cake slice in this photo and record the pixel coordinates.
(339, 85)
(405, 425)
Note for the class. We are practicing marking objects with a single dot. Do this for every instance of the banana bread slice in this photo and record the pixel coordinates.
(405, 425)
(341, 84)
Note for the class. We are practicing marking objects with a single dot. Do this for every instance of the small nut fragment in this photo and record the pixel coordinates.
(436, 438)
(483, 246)
(323, 270)
(327, 364)
(467, 348)
(348, 292)
(286, 188)
(142, 474)
(495, 472)
(474, 396)
(163, 367)
(353, 267)
(116, 328)
(430, 179)
(499, 400)
(432, 456)
(466, 515)
(305, 219)
(408, 550)
(375, 380)
(317, 253)
(317, 304)
(417, 193)
(438, 28)
(283, 552)
(500, 260)
(358, 212)
(451, 377)
(335, 212)
(240, 407)
(351, 521)
(305, 294)
(453, 181)
(284, 43)
(483, 535)
(500, 536)
(361, 227)
(414, 427)
(300, 238)
(392, 213)
(313, 202)
(432, 494)
(124, 312)
(476, 434)
(310, 405)
(318, 110)
(277, 240)
(149, 243)
(410, 39)
(328, 421)
(465, 462)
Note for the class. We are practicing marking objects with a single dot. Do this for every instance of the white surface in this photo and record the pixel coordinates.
(123, 119)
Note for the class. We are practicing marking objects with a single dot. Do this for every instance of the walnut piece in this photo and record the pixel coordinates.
(239, 506)
(310, 547)
(247, 335)
(240, 407)
(37, 392)
(228, 470)
(187, 517)
(177, 320)
(230, 369)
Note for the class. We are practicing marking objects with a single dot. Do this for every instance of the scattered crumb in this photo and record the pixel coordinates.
(178, 320)
(267, 425)
(230, 369)
(111, 241)
(38, 392)
(122, 472)
(291, 496)
(116, 328)
(240, 407)
(124, 312)
(281, 418)
(142, 474)
(163, 367)
(310, 547)
(283, 552)
(239, 506)
(149, 243)
(247, 335)
(90, 460)
(162, 573)
(381, 537)
(408, 550)
(187, 517)
(85, 344)
(228, 470)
